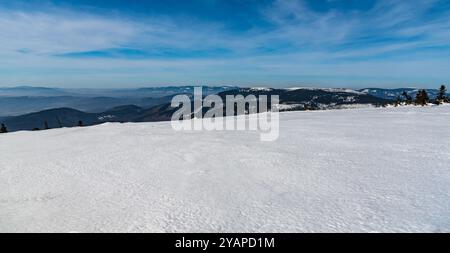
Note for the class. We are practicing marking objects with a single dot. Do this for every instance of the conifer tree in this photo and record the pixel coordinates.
(418, 99)
(3, 129)
(442, 96)
(80, 123)
(422, 98)
(426, 98)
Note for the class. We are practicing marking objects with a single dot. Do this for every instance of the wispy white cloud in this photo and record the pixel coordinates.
(297, 44)
(45, 33)
(57, 31)
(388, 22)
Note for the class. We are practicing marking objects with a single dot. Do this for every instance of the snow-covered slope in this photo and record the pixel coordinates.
(357, 170)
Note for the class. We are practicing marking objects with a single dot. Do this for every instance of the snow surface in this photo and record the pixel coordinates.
(360, 170)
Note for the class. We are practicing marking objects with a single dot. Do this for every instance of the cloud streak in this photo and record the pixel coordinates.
(294, 44)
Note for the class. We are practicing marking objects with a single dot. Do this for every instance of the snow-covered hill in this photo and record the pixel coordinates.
(359, 170)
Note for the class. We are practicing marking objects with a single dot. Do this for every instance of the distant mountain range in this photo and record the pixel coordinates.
(29, 91)
(12, 106)
(394, 93)
(21, 100)
(311, 98)
(290, 99)
(68, 117)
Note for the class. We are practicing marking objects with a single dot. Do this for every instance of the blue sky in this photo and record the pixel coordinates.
(278, 43)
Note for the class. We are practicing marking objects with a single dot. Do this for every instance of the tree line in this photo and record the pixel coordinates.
(4, 129)
(422, 98)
